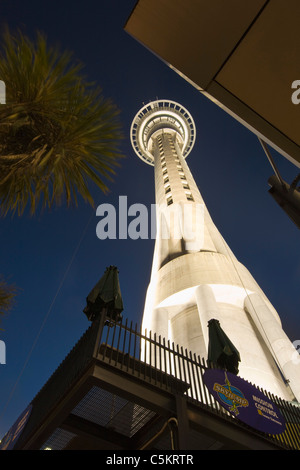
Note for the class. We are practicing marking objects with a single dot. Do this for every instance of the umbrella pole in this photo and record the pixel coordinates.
(102, 319)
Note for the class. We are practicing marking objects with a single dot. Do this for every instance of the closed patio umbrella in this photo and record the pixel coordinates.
(105, 297)
(221, 352)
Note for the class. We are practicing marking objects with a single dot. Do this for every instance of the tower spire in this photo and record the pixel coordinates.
(195, 276)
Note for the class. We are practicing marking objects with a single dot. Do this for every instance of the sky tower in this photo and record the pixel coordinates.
(195, 276)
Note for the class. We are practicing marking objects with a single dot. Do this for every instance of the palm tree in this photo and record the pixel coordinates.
(57, 132)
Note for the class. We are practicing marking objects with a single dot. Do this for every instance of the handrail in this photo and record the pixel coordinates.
(173, 368)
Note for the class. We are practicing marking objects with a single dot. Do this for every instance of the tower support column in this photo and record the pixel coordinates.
(207, 308)
(276, 340)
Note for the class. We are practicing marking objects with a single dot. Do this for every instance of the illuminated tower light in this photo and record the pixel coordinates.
(195, 276)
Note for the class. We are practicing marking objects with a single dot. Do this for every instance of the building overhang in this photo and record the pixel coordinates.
(241, 55)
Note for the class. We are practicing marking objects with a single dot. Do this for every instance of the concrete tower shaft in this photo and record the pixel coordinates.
(195, 276)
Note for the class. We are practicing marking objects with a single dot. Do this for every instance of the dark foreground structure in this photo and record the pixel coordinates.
(104, 395)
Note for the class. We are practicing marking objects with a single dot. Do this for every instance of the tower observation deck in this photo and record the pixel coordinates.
(195, 276)
(157, 116)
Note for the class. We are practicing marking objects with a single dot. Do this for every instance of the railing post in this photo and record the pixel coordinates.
(182, 422)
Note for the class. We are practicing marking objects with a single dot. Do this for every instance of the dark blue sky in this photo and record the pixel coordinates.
(55, 257)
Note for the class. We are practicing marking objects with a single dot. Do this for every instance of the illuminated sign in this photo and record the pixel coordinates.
(244, 401)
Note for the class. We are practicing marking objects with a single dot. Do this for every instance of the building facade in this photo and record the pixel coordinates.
(195, 276)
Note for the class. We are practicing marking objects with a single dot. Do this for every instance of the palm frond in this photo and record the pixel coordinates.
(57, 131)
(7, 296)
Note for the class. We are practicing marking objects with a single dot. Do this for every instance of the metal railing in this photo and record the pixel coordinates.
(150, 357)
